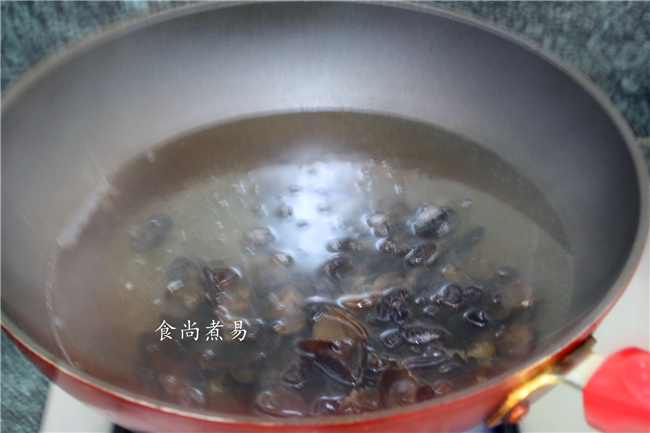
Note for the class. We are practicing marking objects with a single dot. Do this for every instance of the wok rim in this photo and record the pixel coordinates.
(582, 326)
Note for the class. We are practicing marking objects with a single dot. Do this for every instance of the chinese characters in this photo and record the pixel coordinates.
(191, 330)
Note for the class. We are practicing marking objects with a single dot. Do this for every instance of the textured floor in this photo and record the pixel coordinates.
(607, 41)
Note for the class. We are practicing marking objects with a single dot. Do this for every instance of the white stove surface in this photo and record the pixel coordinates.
(627, 324)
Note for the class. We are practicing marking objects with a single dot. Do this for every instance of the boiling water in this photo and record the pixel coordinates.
(301, 180)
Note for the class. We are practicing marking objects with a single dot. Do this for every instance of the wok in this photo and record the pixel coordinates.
(81, 116)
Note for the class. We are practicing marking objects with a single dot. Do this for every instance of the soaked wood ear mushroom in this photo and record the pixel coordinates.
(265, 273)
(151, 233)
(423, 255)
(281, 403)
(435, 222)
(341, 288)
(257, 237)
(345, 245)
(359, 401)
(337, 347)
(398, 387)
(342, 360)
(360, 302)
(517, 339)
(338, 267)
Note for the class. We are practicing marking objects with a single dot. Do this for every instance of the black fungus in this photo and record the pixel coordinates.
(257, 237)
(506, 274)
(398, 387)
(218, 281)
(477, 318)
(345, 245)
(325, 406)
(191, 397)
(283, 259)
(380, 224)
(387, 246)
(402, 251)
(419, 334)
(338, 267)
(342, 360)
(396, 298)
(472, 294)
(180, 269)
(151, 233)
(468, 240)
(296, 375)
(449, 367)
(451, 296)
(423, 255)
(285, 211)
(314, 311)
(432, 311)
(280, 403)
(377, 363)
(391, 308)
(429, 359)
(392, 338)
(434, 222)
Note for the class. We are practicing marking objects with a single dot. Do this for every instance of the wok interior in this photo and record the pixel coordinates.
(73, 129)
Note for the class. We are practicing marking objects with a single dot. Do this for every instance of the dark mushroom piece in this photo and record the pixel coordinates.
(181, 269)
(296, 375)
(325, 406)
(345, 245)
(423, 255)
(420, 334)
(398, 387)
(392, 308)
(337, 347)
(431, 358)
(282, 258)
(380, 223)
(218, 281)
(359, 401)
(387, 246)
(434, 222)
(257, 237)
(358, 303)
(338, 267)
(152, 233)
(391, 339)
(280, 403)
(450, 296)
(467, 241)
(477, 318)
(285, 211)
(517, 339)
(342, 360)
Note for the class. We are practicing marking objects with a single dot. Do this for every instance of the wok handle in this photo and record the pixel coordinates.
(617, 396)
